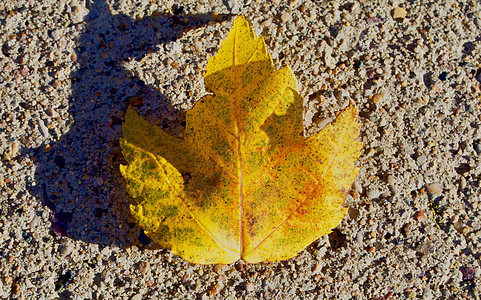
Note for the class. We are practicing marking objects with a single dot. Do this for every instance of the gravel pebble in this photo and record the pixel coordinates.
(285, 17)
(421, 216)
(435, 189)
(399, 13)
(137, 297)
(43, 129)
(34, 222)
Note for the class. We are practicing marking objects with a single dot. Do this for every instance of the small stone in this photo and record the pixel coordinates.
(477, 146)
(34, 222)
(458, 225)
(56, 34)
(399, 13)
(391, 180)
(340, 95)
(469, 273)
(357, 187)
(267, 23)
(359, 238)
(137, 297)
(462, 183)
(28, 284)
(23, 71)
(322, 122)
(421, 160)
(51, 112)
(150, 283)
(435, 189)
(219, 269)
(198, 46)
(231, 5)
(421, 216)
(216, 288)
(73, 57)
(250, 287)
(411, 294)
(46, 148)
(353, 213)
(66, 250)
(377, 98)
(144, 267)
(437, 87)
(406, 230)
(329, 60)
(285, 17)
(373, 193)
(14, 150)
(15, 288)
(43, 129)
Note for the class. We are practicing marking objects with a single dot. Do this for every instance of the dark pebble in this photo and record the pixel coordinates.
(443, 76)
(59, 161)
(358, 64)
(477, 146)
(334, 31)
(468, 273)
(62, 280)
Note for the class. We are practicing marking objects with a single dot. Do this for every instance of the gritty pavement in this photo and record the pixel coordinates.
(69, 69)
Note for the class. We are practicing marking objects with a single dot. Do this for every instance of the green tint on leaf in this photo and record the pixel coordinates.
(243, 182)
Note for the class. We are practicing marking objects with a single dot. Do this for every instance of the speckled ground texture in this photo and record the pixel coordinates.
(69, 69)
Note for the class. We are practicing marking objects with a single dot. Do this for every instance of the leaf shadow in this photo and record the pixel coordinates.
(78, 179)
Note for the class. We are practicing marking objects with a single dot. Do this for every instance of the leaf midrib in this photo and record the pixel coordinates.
(237, 133)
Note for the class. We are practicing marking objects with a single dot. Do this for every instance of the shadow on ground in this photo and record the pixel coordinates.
(79, 178)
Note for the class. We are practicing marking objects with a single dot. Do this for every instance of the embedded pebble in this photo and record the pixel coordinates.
(329, 60)
(391, 180)
(435, 189)
(462, 182)
(399, 13)
(43, 129)
(469, 273)
(421, 216)
(24, 71)
(14, 147)
(373, 193)
(34, 222)
(144, 267)
(376, 99)
(51, 112)
(267, 23)
(66, 250)
(353, 213)
(231, 5)
(285, 17)
(56, 34)
(216, 288)
(137, 297)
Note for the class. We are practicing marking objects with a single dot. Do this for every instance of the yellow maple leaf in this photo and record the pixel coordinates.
(243, 182)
